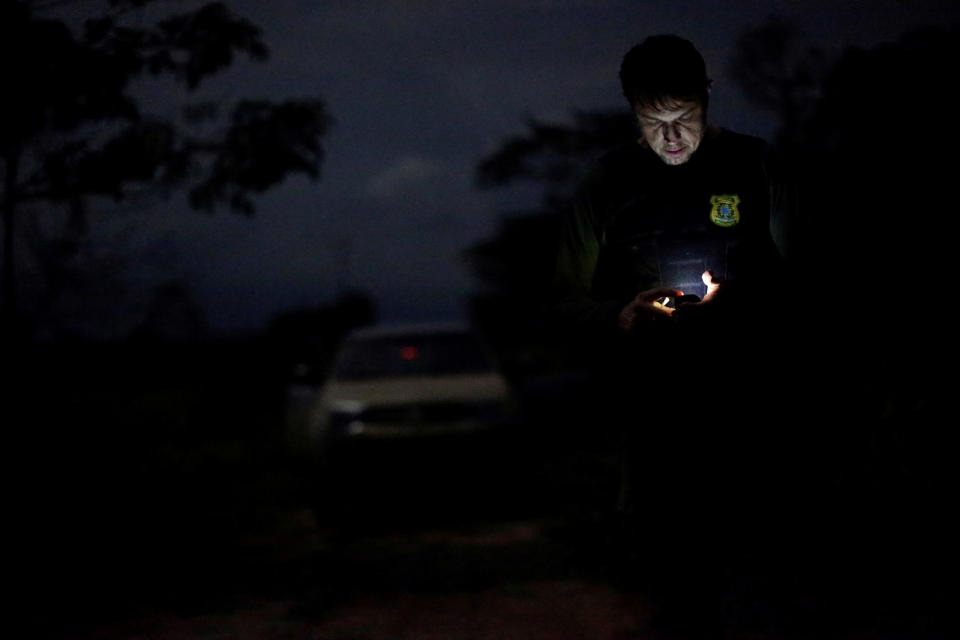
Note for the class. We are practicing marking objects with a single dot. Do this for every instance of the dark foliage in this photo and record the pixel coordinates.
(263, 144)
(778, 71)
(71, 128)
(517, 263)
(553, 154)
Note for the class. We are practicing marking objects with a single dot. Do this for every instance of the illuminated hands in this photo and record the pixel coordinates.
(649, 306)
(646, 307)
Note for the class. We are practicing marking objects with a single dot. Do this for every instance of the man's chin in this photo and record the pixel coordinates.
(674, 158)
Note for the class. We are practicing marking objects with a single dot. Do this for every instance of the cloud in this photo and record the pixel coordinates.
(408, 172)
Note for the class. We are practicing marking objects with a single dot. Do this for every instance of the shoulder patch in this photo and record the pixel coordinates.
(724, 211)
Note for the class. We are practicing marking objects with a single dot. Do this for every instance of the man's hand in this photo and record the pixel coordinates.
(645, 307)
(715, 291)
(713, 285)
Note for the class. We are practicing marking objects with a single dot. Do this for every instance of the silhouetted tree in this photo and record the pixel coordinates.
(778, 70)
(876, 171)
(71, 129)
(845, 129)
(553, 155)
(875, 158)
(516, 263)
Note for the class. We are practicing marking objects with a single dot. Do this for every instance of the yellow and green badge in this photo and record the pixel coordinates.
(724, 211)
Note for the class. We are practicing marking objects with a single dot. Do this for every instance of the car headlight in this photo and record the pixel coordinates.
(343, 420)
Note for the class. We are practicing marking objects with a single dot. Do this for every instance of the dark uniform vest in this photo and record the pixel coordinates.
(665, 225)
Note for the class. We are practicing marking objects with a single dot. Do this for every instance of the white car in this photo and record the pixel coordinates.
(410, 381)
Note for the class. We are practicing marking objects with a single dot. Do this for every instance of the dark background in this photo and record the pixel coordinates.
(154, 347)
(418, 94)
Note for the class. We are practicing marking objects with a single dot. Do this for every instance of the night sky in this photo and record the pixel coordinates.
(420, 91)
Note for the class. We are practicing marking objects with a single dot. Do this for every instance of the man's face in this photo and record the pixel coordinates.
(673, 131)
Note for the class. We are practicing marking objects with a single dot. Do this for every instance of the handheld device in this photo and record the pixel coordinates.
(684, 300)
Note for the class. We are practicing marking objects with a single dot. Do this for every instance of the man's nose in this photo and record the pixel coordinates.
(671, 132)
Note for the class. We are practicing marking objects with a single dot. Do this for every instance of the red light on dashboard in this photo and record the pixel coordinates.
(409, 353)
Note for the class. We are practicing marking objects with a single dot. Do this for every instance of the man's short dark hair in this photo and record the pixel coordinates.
(663, 69)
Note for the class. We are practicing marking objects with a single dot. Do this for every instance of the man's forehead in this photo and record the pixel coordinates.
(669, 108)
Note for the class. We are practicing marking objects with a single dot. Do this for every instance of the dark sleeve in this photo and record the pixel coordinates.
(765, 294)
(762, 263)
(581, 236)
(785, 221)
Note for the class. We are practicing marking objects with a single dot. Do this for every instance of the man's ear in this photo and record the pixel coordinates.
(709, 86)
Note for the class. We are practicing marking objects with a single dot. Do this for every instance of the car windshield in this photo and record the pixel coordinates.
(408, 355)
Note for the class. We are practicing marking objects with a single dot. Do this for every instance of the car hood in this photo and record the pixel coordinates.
(353, 394)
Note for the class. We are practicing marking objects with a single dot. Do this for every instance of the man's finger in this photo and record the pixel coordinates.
(661, 309)
(712, 284)
(656, 294)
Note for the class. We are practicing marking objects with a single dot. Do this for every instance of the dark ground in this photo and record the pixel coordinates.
(159, 501)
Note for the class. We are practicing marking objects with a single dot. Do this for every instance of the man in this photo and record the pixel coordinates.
(684, 210)
(653, 217)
